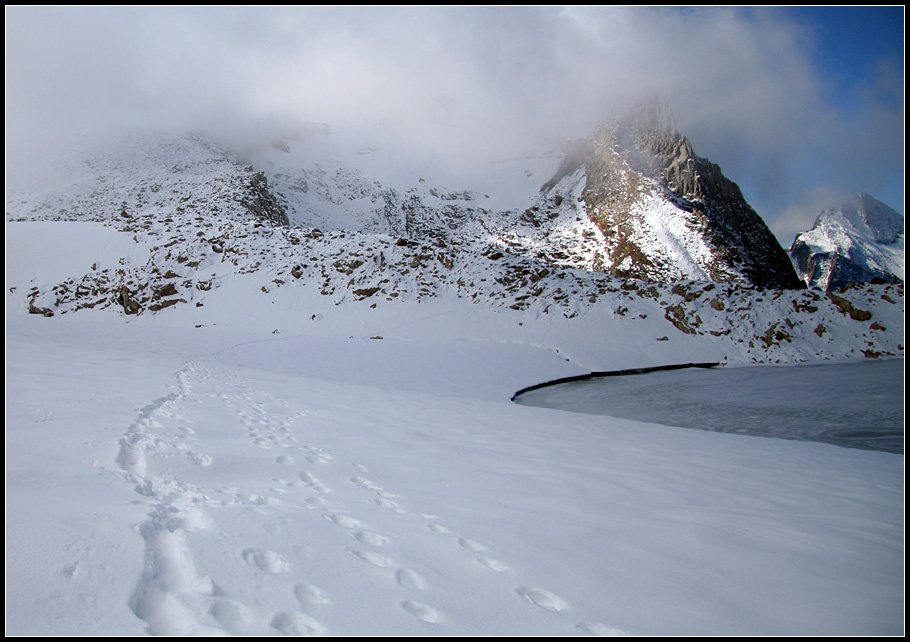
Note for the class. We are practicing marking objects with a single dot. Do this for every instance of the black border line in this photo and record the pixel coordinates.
(611, 373)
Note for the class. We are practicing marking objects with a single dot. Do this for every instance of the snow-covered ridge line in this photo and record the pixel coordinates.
(278, 270)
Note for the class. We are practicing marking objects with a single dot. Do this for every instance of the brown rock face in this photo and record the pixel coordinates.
(638, 164)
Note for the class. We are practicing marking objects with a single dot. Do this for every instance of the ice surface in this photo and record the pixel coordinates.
(857, 404)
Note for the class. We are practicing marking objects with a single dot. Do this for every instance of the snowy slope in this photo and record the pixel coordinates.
(166, 479)
(228, 426)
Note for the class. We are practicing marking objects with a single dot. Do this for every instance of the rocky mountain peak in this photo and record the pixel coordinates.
(668, 214)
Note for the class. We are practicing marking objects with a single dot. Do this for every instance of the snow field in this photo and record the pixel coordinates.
(178, 484)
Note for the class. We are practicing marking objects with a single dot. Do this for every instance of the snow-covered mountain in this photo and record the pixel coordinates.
(634, 200)
(854, 243)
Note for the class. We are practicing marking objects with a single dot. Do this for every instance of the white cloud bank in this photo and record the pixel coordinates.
(464, 82)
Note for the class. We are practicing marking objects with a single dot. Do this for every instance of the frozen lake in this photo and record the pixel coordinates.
(856, 404)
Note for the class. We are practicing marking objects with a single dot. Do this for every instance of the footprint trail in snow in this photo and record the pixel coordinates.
(331, 540)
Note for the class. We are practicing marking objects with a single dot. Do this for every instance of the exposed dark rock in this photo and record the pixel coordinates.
(847, 308)
(165, 304)
(676, 315)
(262, 204)
(168, 289)
(124, 298)
(366, 292)
(34, 309)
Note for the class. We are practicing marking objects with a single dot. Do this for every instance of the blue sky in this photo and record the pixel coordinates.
(801, 106)
(857, 57)
(850, 43)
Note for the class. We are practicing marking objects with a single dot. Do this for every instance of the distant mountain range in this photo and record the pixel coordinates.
(857, 242)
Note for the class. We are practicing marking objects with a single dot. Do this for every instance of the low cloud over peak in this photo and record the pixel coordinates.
(464, 82)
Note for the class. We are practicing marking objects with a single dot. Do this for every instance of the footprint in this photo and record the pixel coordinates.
(411, 579)
(309, 594)
(493, 565)
(373, 558)
(542, 598)
(596, 628)
(231, 615)
(284, 459)
(371, 539)
(252, 499)
(361, 468)
(471, 545)
(70, 570)
(341, 520)
(388, 504)
(436, 528)
(200, 459)
(364, 483)
(314, 483)
(294, 623)
(422, 612)
(266, 560)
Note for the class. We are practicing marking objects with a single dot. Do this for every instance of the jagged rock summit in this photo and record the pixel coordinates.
(667, 214)
(855, 242)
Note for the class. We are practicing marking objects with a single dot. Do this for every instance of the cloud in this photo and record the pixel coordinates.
(458, 82)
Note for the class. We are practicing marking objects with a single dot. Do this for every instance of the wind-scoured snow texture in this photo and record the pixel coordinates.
(669, 215)
(854, 243)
